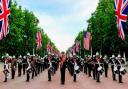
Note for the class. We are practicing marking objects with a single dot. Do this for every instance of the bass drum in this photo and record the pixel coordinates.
(123, 71)
(100, 70)
(52, 71)
(77, 69)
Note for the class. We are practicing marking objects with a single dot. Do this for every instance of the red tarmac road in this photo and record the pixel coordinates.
(83, 82)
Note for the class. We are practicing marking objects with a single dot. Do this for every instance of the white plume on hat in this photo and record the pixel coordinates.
(6, 55)
(24, 57)
(33, 55)
(28, 54)
(97, 54)
(119, 56)
(10, 57)
(49, 53)
(74, 54)
(113, 56)
(105, 57)
(20, 56)
(13, 56)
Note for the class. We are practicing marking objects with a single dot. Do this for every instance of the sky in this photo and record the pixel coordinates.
(61, 20)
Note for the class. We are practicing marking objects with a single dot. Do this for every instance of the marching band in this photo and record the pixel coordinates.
(93, 66)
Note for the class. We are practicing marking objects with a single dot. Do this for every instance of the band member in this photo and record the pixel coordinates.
(24, 62)
(112, 61)
(85, 65)
(6, 67)
(63, 67)
(105, 60)
(89, 66)
(33, 66)
(121, 68)
(38, 62)
(13, 67)
(42, 64)
(98, 67)
(50, 70)
(19, 61)
(76, 67)
(28, 67)
(93, 66)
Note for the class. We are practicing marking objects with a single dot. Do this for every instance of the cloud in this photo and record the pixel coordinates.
(62, 19)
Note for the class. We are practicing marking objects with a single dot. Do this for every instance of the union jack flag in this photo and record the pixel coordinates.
(4, 17)
(121, 9)
(39, 39)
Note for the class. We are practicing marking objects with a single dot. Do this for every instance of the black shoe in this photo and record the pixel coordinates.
(49, 80)
(5, 81)
(62, 83)
(74, 81)
(114, 80)
(120, 82)
(27, 80)
(98, 81)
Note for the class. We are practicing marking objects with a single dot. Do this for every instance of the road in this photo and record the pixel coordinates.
(83, 82)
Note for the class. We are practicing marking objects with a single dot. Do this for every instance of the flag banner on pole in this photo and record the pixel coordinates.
(73, 49)
(4, 17)
(121, 10)
(39, 40)
(87, 37)
(49, 48)
(77, 46)
(1, 34)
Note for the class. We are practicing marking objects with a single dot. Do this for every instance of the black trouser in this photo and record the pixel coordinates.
(74, 76)
(113, 74)
(106, 72)
(98, 76)
(89, 70)
(5, 80)
(62, 76)
(6, 75)
(85, 68)
(24, 69)
(94, 74)
(120, 77)
(13, 73)
(49, 75)
(28, 76)
(72, 69)
(34, 73)
(41, 67)
(38, 68)
(19, 70)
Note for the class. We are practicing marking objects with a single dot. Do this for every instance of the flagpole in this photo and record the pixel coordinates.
(91, 46)
(33, 49)
(124, 57)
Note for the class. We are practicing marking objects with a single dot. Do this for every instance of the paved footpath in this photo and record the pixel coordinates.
(83, 82)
